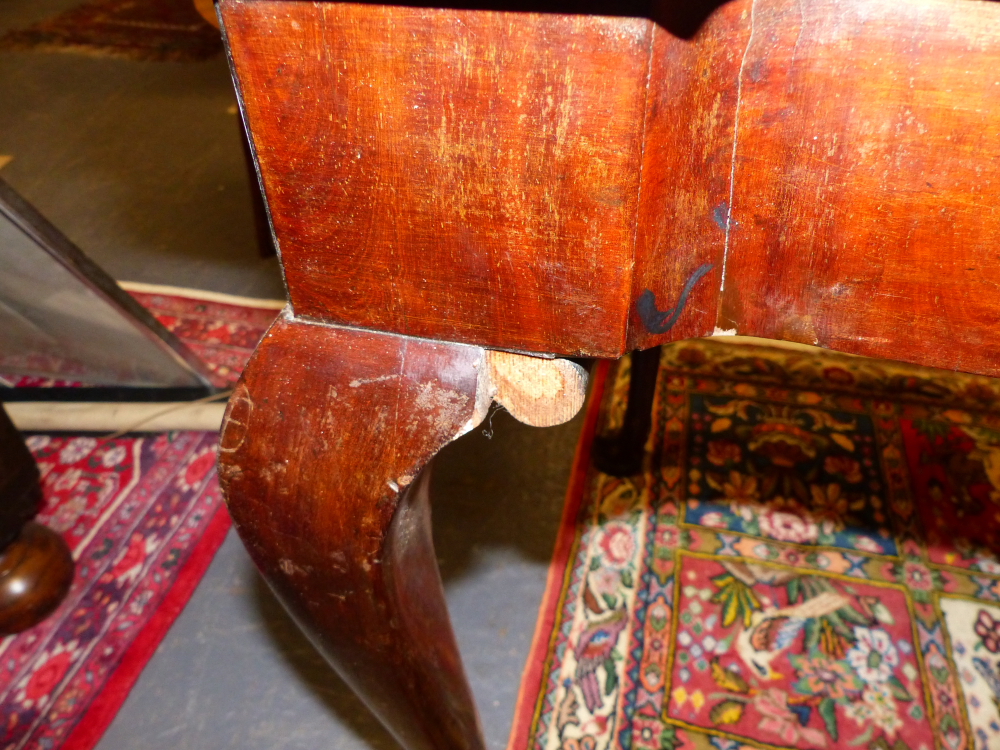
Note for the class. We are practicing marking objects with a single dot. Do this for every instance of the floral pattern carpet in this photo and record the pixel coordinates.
(143, 517)
(810, 559)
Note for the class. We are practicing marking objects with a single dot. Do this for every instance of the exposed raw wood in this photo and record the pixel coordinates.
(536, 391)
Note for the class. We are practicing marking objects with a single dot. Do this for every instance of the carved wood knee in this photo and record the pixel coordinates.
(323, 462)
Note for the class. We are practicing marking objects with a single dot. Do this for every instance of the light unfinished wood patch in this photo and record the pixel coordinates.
(539, 392)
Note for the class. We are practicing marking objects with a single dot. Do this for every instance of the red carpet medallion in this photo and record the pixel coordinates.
(143, 517)
(810, 560)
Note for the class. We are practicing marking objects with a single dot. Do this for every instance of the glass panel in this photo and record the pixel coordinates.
(61, 316)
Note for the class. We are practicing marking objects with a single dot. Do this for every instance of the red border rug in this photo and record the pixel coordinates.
(809, 559)
(143, 517)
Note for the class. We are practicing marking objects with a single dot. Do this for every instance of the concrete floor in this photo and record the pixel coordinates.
(140, 164)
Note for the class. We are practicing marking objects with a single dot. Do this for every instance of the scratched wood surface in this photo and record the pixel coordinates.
(471, 176)
(866, 180)
(817, 171)
(685, 174)
(320, 455)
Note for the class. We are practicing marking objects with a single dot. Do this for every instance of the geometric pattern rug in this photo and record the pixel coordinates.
(810, 558)
(143, 517)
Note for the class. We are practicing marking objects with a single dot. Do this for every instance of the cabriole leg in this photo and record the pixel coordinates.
(323, 460)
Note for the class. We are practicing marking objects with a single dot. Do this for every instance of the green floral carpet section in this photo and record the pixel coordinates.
(809, 560)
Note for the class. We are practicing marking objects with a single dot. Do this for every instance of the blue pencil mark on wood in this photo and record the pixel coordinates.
(657, 321)
(720, 214)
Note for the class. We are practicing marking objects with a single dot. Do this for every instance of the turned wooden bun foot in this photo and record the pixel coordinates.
(36, 571)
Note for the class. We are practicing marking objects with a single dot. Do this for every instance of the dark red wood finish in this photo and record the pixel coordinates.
(320, 459)
(685, 172)
(867, 180)
(36, 571)
(818, 171)
(521, 180)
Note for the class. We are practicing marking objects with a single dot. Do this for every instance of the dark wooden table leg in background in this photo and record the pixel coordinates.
(36, 568)
(621, 454)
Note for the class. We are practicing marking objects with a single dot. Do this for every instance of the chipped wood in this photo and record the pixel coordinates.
(539, 392)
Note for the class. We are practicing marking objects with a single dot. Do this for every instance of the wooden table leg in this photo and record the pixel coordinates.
(36, 568)
(323, 463)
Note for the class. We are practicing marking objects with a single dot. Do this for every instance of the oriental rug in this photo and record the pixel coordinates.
(143, 517)
(158, 30)
(809, 559)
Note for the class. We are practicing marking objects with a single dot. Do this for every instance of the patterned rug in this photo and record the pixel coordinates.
(143, 517)
(809, 560)
(161, 30)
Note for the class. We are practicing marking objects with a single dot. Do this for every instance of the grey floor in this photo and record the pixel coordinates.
(140, 164)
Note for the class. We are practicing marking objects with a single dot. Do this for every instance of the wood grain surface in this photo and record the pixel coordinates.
(36, 571)
(685, 172)
(323, 444)
(816, 171)
(538, 392)
(848, 155)
(866, 180)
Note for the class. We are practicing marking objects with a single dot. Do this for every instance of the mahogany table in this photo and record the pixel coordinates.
(457, 195)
